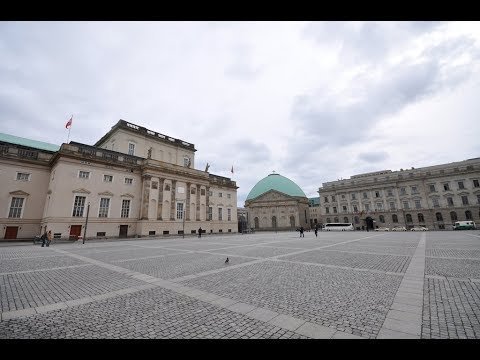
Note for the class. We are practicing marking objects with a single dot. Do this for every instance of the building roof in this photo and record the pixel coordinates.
(275, 182)
(28, 142)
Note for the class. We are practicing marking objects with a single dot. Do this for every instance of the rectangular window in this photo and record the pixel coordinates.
(367, 207)
(23, 176)
(377, 194)
(432, 188)
(446, 187)
(84, 174)
(379, 206)
(220, 214)
(365, 195)
(405, 205)
(229, 196)
(417, 204)
(327, 210)
(460, 185)
(435, 202)
(343, 196)
(131, 149)
(229, 214)
(78, 206)
(101, 233)
(465, 200)
(16, 207)
(128, 181)
(476, 184)
(202, 192)
(389, 192)
(333, 197)
(344, 208)
(478, 199)
(107, 178)
(210, 193)
(326, 199)
(104, 205)
(355, 208)
(392, 206)
(450, 201)
(210, 213)
(403, 191)
(353, 196)
(334, 209)
(125, 209)
(179, 211)
(220, 194)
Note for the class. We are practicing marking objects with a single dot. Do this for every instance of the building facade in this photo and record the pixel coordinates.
(434, 196)
(132, 182)
(277, 203)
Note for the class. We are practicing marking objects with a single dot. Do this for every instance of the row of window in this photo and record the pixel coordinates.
(79, 207)
(406, 204)
(106, 178)
(403, 190)
(408, 218)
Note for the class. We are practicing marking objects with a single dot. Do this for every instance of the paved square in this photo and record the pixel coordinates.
(276, 285)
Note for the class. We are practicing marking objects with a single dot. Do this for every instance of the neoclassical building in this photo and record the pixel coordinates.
(133, 181)
(433, 196)
(277, 203)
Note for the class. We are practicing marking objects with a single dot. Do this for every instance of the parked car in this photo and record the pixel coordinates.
(399, 228)
(464, 225)
(382, 229)
(419, 228)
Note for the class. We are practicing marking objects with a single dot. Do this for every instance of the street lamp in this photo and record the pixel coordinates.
(86, 223)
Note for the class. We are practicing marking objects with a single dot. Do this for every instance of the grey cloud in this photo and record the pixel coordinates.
(373, 156)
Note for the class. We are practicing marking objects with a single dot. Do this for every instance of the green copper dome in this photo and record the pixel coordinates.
(275, 182)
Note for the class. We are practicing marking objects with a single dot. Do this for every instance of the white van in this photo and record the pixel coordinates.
(338, 227)
(464, 225)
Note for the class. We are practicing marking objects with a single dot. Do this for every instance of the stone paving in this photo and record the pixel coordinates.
(355, 285)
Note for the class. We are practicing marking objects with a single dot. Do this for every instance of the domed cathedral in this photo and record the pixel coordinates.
(276, 203)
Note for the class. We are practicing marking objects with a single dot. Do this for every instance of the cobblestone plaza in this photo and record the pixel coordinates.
(358, 285)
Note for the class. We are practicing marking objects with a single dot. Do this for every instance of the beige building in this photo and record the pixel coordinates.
(434, 196)
(133, 181)
(277, 203)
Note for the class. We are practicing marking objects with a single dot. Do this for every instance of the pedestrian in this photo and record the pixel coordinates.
(44, 238)
(301, 232)
(316, 230)
(200, 232)
(49, 237)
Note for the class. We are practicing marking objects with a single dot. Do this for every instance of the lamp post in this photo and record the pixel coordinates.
(86, 223)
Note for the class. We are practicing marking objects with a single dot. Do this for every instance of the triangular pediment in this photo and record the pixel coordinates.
(81, 191)
(106, 193)
(19, 192)
(127, 195)
(273, 195)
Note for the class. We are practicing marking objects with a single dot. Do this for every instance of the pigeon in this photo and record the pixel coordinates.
(227, 261)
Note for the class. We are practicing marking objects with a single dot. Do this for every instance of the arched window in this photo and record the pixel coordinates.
(468, 215)
(409, 218)
(421, 219)
(395, 218)
(453, 216)
(256, 223)
(439, 216)
(357, 220)
(345, 219)
(335, 220)
(382, 218)
(328, 220)
(292, 221)
(274, 221)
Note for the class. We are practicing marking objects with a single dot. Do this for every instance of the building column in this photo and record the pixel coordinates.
(197, 211)
(207, 200)
(145, 197)
(187, 202)
(160, 198)
(173, 209)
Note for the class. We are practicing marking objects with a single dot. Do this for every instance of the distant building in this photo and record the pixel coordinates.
(314, 211)
(242, 215)
(433, 196)
(133, 181)
(277, 203)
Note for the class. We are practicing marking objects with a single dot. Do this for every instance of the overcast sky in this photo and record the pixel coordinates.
(315, 102)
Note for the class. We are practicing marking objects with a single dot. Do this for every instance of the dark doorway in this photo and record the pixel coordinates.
(75, 231)
(11, 232)
(123, 231)
(369, 222)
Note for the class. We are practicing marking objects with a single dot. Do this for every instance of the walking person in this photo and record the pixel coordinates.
(49, 237)
(200, 232)
(44, 238)
(301, 232)
(316, 230)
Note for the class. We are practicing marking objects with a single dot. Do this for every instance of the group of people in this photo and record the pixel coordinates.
(302, 230)
(46, 238)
